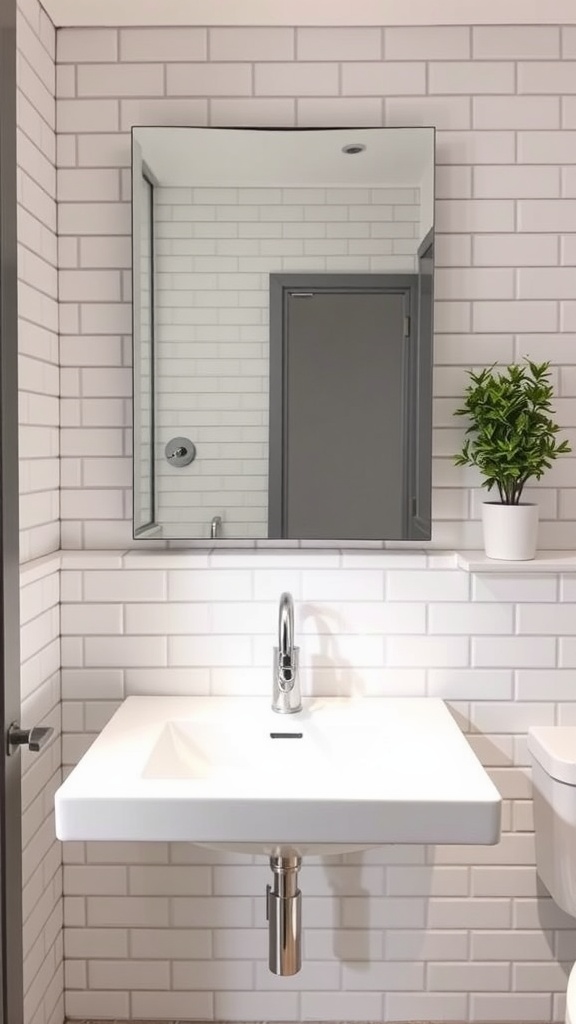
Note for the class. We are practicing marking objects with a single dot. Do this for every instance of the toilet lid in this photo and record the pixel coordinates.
(554, 748)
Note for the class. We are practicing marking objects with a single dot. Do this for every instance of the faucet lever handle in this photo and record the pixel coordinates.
(286, 666)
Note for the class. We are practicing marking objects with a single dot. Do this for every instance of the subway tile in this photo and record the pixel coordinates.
(427, 43)
(167, 111)
(85, 618)
(143, 681)
(427, 1006)
(346, 44)
(210, 912)
(208, 80)
(386, 977)
(208, 651)
(252, 44)
(478, 215)
(446, 113)
(471, 77)
(513, 651)
(510, 1006)
(468, 977)
(78, 46)
(97, 1004)
(420, 881)
(124, 652)
(431, 585)
(295, 79)
(163, 44)
(333, 112)
(454, 183)
(87, 115)
(120, 80)
(509, 717)
(546, 283)
(353, 1006)
(427, 651)
(169, 881)
(176, 1004)
(252, 112)
(433, 945)
(546, 77)
(466, 913)
(515, 316)
(127, 911)
(546, 147)
(80, 185)
(95, 943)
(387, 78)
(532, 250)
(87, 286)
(516, 42)
(511, 945)
(216, 975)
(204, 585)
(472, 283)
(101, 150)
(127, 974)
(95, 881)
(473, 618)
(517, 112)
(94, 218)
(516, 182)
(171, 944)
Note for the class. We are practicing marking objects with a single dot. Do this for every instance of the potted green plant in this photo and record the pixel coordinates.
(511, 439)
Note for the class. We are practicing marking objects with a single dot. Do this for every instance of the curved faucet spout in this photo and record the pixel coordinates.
(286, 697)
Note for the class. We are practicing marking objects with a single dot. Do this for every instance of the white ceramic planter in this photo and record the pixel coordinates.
(510, 531)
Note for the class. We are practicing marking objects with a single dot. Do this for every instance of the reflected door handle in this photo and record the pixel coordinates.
(35, 739)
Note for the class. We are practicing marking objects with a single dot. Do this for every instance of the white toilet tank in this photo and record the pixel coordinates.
(553, 754)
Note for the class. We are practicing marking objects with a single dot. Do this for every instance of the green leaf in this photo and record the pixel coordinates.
(510, 436)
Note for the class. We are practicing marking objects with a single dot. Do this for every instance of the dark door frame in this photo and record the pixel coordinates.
(11, 984)
(281, 286)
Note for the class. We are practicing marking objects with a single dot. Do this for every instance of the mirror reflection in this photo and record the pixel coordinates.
(282, 333)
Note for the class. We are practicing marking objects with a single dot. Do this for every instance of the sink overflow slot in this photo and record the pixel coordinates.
(286, 735)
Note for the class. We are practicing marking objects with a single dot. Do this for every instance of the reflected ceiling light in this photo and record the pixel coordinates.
(353, 148)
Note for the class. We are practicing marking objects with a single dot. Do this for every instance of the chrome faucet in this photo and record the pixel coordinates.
(286, 696)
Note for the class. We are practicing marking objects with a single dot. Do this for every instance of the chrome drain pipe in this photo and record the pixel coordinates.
(284, 916)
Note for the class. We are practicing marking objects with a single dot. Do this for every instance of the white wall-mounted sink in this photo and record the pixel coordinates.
(343, 774)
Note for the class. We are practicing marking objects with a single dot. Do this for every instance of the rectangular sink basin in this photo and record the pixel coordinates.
(342, 774)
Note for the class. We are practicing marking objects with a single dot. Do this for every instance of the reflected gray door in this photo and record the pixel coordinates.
(344, 442)
(11, 1011)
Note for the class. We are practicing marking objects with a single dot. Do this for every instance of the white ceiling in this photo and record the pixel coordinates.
(310, 12)
(225, 157)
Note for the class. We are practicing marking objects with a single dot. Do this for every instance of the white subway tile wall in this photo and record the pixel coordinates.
(450, 933)
(445, 932)
(215, 249)
(505, 218)
(37, 283)
(39, 507)
(41, 775)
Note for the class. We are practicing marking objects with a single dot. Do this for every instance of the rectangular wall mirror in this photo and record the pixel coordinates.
(283, 283)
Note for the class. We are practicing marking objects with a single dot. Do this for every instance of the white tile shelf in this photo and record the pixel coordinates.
(400, 558)
(545, 561)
